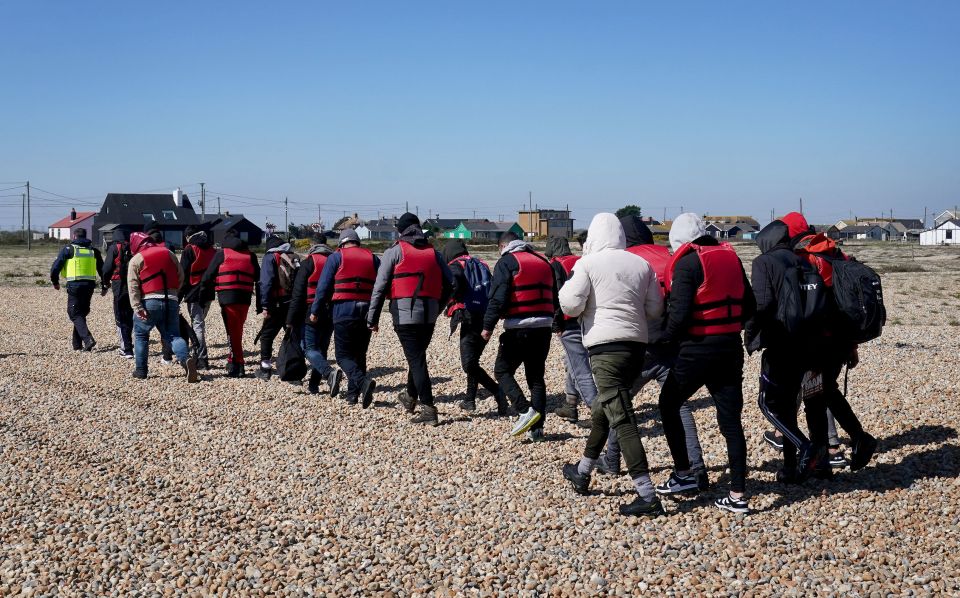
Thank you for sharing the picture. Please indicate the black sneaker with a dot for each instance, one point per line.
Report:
(140, 374)
(313, 383)
(773, 440)
(89, 344)
(468, 405)
(409, 403)
(351, 400)
(366, 391)
(862, 451)
(603, 466)
(733, 505)
(203, 363)
(580, 482)
(263, 373)
(838, 459)
(676, 484)
(567, 412)
(333, 381)
(703, 480)
(640, 507)
(787, 478)
(427, 416)
(235, 370)
(809, 459)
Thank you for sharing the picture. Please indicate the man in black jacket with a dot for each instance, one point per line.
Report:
(782, 365)
(114, 273)
(315, 335)
(707, 308)
(197, 254)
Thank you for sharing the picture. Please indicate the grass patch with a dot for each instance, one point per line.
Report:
(892, 268)
(954, 323)
(896, 322)
(40, 282)
(12, 274)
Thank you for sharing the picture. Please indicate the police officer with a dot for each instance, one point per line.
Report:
(79, 264)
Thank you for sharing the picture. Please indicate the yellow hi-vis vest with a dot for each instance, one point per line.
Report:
(82, 266)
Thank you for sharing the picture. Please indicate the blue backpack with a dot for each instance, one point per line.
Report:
(478, 280)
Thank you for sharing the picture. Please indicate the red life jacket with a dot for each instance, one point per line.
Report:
(718, 304)
(117, 261)
(159, 272)
(318, 262)
(355, 276)
(417, 274)
(531, 293)
(567, 262)
(202, 256)
(455, 306)
(236, 272)
(657, 256)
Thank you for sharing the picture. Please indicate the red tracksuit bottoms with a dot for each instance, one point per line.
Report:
(234, 317)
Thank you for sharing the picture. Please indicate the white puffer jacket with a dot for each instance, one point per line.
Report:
(613, 291)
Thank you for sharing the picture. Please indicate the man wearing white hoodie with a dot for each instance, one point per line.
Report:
(614, 293)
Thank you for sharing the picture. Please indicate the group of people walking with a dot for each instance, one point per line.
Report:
(626, 312)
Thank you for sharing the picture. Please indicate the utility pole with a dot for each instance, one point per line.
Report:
(203, 202)
(801, 205)
(23, 215)
(530, 215)
(406, 206)
(924, 216)
(29, 232)
(218, 206)
(286, 224)
(319, 217)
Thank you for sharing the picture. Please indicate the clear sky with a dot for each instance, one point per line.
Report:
(721, 107)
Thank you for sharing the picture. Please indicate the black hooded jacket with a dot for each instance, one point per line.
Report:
(453, 249)
(208, 283)
(560, 247)
(636, 232)
(297, 314)
(769, 268)
(687, 278)
(188, 292)
(109, 264)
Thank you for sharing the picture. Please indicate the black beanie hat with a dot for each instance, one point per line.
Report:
(406, 221)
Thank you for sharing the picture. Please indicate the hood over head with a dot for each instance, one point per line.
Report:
(320, 248)
(636, 231)
(687, 227)
(199, 238)
(775, 235)
(516, 245)
(273, 241)
(140, 241)
(120, 236)
(235, 243)
(406, 221)
(453, 249)
(796, 224)
(557, 247)
(604, 232)
(348, 235)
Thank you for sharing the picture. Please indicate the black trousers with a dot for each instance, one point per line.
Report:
(271, 328)
(471, 349)
(831, 365)
(351, 339)
(415, 338)
(528, 347)
(123, 315)
(781, 375)
(615, 373)
(78, 308)
(719, 367)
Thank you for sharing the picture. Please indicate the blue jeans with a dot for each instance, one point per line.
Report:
(316, 342)
(165, 316)
(577, 360)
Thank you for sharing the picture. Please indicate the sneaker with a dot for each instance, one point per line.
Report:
(351, 400)
(166, 362)
(366, 390)
(837, 458)
(140, 374)
(333, 381)
(862, 451)
(640, 507)
(468, 405)
(409, 403)
(263, 373)
(703, 480)
(524, 422)
(567, 412)
(427, 415)
(787, 478)
(773, 439)
(313, 383)
(89, 344)
(203, 363)
(677, 484)
(235, 370)
(809, 459)
(191, 368)
(580, 482)
(604, 466)
(733, 505)
(536, 435)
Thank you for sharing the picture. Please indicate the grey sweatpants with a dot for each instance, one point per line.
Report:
(198, 321)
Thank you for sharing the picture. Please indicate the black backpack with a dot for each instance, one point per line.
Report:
(859, 298)
(291, 365)
(802, 306)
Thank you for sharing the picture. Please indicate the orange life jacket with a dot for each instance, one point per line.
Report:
(355, 276)
(318, 262)
(417, 274)
(531, 293)
(159, 271)
(202, 256)
(567, 262)
(812, 247)
(236, 272)
(718, 304)
(657, 256)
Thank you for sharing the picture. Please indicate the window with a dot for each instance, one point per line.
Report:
(949, 234)
(148, 216)
(244, 236)
(169, 215)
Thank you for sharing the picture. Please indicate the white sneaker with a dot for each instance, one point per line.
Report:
(525, 422)
(166, 362)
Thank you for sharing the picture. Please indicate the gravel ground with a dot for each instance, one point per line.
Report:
(110, 485)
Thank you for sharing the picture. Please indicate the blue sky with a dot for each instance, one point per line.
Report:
(453, 107)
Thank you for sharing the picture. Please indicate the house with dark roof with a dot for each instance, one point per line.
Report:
(132, 212)
(378, 231)
(62, 229)
(217, 226)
